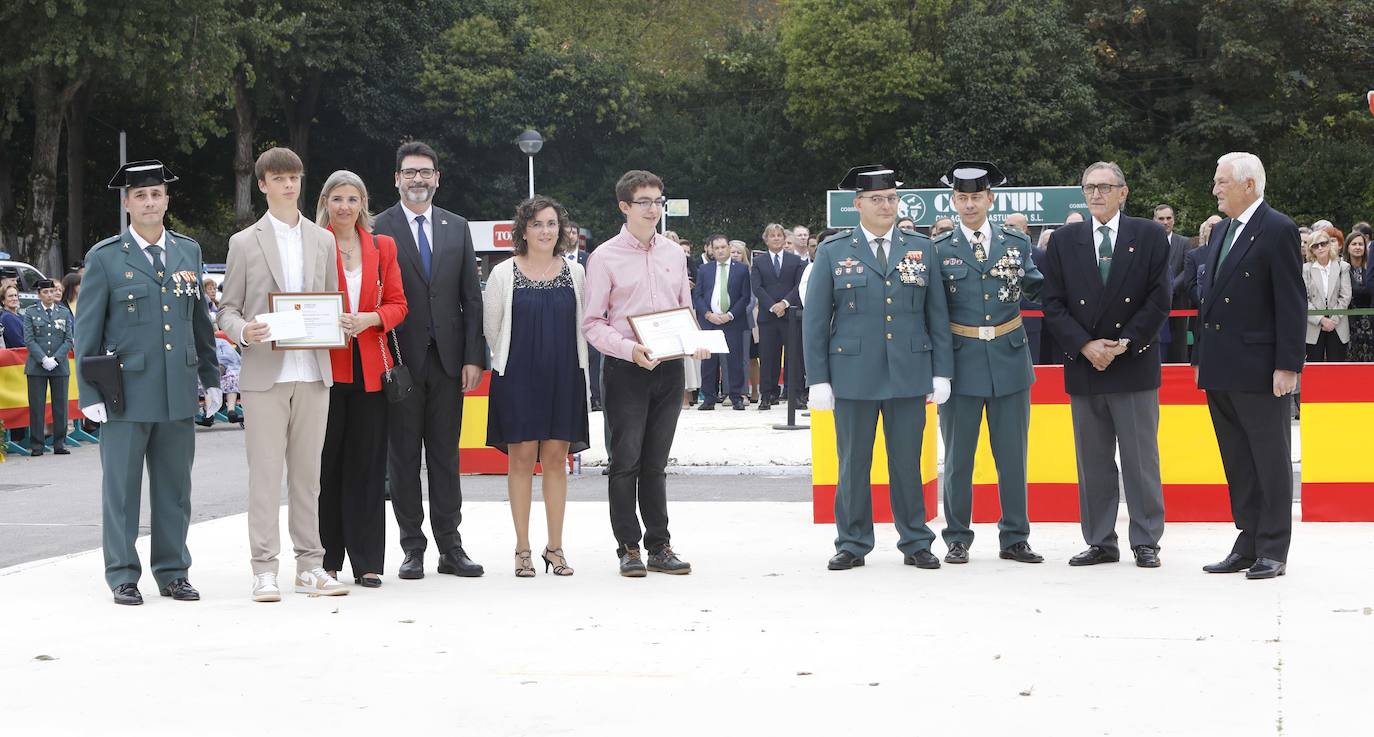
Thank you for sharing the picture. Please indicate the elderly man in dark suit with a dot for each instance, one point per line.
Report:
(776, 278)
(1106, 295)
(1248, 356)
(441, 341)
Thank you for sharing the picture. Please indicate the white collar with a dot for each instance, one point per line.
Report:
(1250, 212)
(872, 237)
(986, 227)
(1114, 223)
(411, 214)
(280, 227)
(162, 241)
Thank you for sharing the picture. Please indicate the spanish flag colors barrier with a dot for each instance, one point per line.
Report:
(1337, 403)
(14, 390)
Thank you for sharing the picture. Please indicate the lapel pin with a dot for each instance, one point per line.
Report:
(443, 222)
(1130, 249)
(128, 275)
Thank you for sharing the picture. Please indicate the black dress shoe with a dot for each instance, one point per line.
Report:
(458, 563)
(1266, 568)
(1021, 553)
(1233, 563)
(631, 565)
(706, 407)
(61, 450)
(922, 559)
(127, 594)
(596, 406)
(35, 452)
(737, 404)
(958, 553)
(844, 560)
(180, 590)
(1094, 555)
(368, 581)
(205, 421)
(413, 567)
(764, 405)
(1146, 556)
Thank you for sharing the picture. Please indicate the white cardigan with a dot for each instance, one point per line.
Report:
(496, 300)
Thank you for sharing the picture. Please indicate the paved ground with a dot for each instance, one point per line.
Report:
(760, 639)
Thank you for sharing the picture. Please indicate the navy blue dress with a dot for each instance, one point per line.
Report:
(542, 395)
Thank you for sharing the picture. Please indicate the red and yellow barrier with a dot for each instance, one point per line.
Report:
(14, 390)
(1337, 416)
(825, 468)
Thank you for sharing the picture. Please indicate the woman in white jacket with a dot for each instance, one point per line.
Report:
(1328, 288)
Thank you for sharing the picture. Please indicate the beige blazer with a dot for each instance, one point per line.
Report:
(253, 270)
(1336, 297)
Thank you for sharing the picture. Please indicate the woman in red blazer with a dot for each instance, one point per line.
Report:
(353, 465)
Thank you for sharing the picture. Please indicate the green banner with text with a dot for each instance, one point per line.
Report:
(1041, 205)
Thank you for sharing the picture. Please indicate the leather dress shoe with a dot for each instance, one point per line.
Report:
(706, 406)
(764, 404)
(413, 567)
(1146, 556)
(61, 450)
(127, 594)
(1021, 553)
(1233, 563)
(458, 563)
(596, 406)
(958, 553)
(922, 559)
(35, 452)
(1266, 568)
(1094, 555)
(737, 404)
(844, 560)
(180, 590)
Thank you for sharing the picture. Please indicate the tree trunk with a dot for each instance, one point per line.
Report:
(245, 125)
(300, 115)
(7, 229)
(37, 241)
(75, 241)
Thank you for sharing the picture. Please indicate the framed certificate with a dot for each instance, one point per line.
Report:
(667, 334)
(305, 321)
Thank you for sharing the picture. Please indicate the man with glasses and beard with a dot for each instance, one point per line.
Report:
(441, 341)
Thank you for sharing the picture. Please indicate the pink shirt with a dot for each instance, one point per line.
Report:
(623, 279)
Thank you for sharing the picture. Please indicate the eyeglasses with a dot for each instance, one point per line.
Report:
(878, 199)
(421, 173)
(648, 203)
(1091, 189)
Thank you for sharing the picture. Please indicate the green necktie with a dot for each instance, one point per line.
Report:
(882, 255)
(1104, 253)
(723, 281)
(1226, 242)
(156, 252)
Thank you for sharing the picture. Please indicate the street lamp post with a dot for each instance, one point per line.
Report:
(530, 142)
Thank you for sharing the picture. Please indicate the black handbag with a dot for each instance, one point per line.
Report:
(396, 381)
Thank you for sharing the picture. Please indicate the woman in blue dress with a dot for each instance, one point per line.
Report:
(537, 412)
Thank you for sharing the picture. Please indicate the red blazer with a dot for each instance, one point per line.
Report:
(380, 271)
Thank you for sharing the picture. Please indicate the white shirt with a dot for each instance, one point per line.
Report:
(1244, 220)
(873, 242)
(354, 283)
(295, 365)
(1325, 271)
(721, 278)
(143, 245)
(1114, 224)
(415, 227)
(985, 229)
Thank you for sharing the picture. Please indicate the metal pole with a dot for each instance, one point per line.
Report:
(792, 368)
(531, 177)
(123, 159)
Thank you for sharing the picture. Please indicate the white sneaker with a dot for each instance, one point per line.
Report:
(318, 582)
(265, 587)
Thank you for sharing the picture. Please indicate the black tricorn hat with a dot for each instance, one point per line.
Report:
(973, 176)
(144, 173)
(45, 284)
(870, 177)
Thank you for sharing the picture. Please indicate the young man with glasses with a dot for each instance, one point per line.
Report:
(1106, 296)
(638, 272)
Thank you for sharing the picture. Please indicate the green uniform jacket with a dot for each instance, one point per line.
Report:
(989, 293)
(164, 340)
(46, 336)
(870, 335)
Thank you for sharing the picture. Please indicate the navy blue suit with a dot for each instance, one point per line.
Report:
(1253, 310)
(770, 286)
(735, 331)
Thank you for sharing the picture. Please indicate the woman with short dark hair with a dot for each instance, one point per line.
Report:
(537, 411)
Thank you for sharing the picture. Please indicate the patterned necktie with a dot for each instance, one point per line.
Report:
(882, 255)
(1104, 253)
(1230, 238)
(422, 241)
(777, 264)
(156, 252)
(979, 253)
(722, 281)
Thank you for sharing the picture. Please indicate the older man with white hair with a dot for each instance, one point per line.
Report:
(1248, 356)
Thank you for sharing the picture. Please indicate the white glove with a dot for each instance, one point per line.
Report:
(96, 412)
(821, 397)
(214, 399)
(941, 394)
(49, 363)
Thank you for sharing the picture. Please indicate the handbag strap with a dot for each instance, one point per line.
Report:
(381, 340)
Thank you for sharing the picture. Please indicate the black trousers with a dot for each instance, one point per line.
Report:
(594, 373)
(1253, 433)
(1327, 348)
(772, 338)
(431, 417)
(38, 389)
(1176, 350)
(641, 409)
(353, 477)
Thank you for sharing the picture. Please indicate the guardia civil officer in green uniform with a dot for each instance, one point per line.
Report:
(140, 301)
(876, 339)
(986, 270)
(48, 329)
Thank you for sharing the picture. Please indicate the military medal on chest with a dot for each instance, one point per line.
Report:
(912, 269)
(1010, 269)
